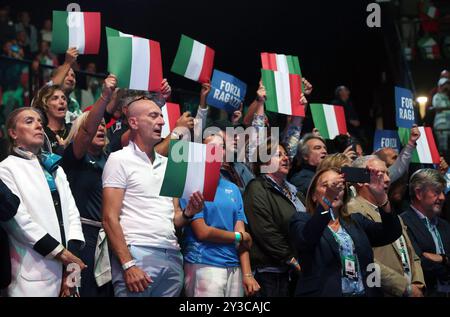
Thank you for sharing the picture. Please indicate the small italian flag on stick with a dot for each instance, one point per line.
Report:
(171, 113)
(194, 60)
(426, 151)
(136, 62)
(329, 120)
(283, 92)
(76, 29)
(192, 167)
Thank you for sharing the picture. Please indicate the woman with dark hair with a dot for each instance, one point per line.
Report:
(335, 248)
(47, 222)
(52, 103)
(269, 203)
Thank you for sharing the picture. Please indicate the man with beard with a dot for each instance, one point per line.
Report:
(429, 234)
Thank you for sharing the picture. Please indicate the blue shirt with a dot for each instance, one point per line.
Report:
(346, 248)
(222, 213)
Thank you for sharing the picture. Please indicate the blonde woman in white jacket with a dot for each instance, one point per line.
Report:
(47, 220)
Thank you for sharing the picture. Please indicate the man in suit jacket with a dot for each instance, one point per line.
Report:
(401, 273)
(429, 234)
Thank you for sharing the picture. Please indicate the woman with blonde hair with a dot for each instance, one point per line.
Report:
(335, 248)
(47, 223)
(336, 160)
(83, 160)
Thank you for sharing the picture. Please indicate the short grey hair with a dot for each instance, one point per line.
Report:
(361, 162)
(303, 148)
(424, 179)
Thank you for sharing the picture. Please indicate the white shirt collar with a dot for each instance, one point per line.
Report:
(135, 148)
(419, 214)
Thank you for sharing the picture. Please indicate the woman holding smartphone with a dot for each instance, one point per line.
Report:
(335, 248)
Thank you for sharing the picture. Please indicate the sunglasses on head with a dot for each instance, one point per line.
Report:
(155, 97)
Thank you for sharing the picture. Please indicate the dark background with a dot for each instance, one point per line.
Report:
(331, 38)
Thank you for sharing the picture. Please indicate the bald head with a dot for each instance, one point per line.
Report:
(146, 121)
(139, 107)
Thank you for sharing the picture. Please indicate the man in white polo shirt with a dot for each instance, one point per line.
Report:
(139, 223)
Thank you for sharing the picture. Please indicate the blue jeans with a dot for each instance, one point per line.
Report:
(164, 266)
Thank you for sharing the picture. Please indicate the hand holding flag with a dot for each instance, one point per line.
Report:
(166, 90)
(195, 204)
(261, 92)
(109, 86)
(415, 135)
(71, 56)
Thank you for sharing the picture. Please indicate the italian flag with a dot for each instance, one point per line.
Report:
(283, 92)
(329, 120)
(194, 60)
(76, 29)
(192, 167)
(110, 32)
(426, 151)
(171, 113)
(429, 48)
(136, 62)
(282, 63)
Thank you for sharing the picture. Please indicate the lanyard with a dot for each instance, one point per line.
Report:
(436, 236)
(404, 257)
(349, 261)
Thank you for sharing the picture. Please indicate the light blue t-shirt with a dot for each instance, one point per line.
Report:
(222, 213)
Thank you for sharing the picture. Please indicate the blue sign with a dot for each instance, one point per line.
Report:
(227, 92)
(404, 109)
(386, 138)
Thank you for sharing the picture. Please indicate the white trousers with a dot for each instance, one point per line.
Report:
(211, 281)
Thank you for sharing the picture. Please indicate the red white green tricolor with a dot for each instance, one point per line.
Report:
(136, 62)
(283, 91)
(329, 120)
(426, 151)
(194, 60)
(192, 167)
(76, 29)
(171, 113)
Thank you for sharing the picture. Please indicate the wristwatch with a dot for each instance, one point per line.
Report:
(129, 264)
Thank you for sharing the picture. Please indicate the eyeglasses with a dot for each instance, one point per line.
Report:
(155, 97)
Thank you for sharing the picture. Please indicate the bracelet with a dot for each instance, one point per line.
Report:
(238, 237)
(129, 264)
(186, 216)
(248, 275)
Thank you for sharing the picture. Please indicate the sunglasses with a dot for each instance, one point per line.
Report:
(155, 97)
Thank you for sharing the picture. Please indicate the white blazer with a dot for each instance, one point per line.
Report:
(33, 274)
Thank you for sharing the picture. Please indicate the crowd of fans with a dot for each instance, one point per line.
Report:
(80, 192)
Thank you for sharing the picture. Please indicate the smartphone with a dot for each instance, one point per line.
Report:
(351, 143)
(356, 175)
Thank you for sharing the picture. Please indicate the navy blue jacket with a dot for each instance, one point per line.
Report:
(422, 241)
(319, 255)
